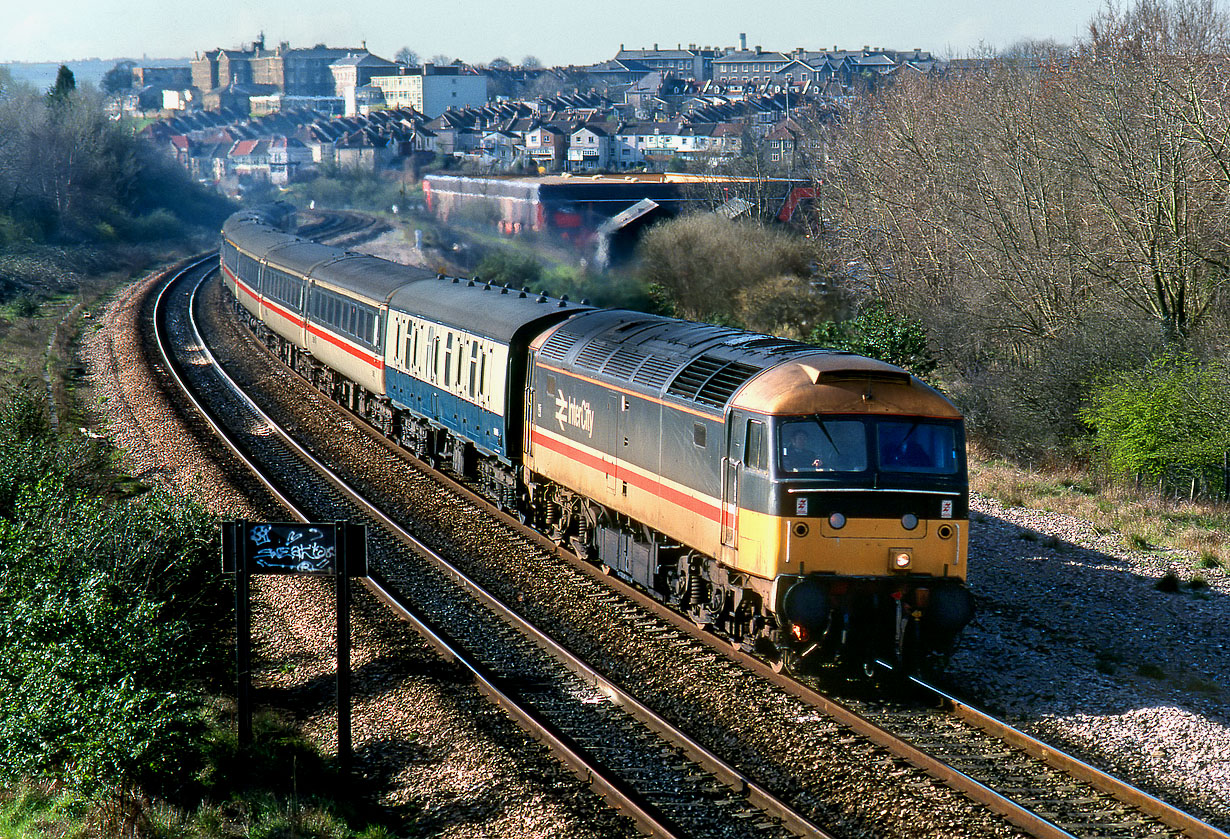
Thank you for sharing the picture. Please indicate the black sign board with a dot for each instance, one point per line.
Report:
(338, 550)
(293, 548)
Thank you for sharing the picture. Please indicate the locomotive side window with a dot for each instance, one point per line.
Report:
(550, 385)
(754, 452)
(698, 434)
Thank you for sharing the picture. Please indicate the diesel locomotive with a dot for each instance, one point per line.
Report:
(809, 503)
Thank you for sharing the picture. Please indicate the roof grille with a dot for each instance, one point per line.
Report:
(899, 377)
(623, 363)
(593, 354)
(711, 381)
(654, 372)
(558, 345)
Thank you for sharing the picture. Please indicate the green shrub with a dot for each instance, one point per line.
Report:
(878, 333)
(510, 267)
(25, 306)
(1170, 414)
(113, 620)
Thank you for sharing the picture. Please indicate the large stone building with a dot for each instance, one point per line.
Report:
(294, 72)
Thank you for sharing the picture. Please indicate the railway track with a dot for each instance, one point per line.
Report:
(1040, 800)
(649, 769)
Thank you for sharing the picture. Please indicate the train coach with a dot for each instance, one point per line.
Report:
(809, 503)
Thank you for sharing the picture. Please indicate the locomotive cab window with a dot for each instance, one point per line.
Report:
(917, 446)
(822, 445)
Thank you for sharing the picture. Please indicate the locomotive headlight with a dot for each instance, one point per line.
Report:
(909, 521)
(899, 559)
(837, 521)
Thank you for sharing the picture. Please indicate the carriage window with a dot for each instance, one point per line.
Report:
(754, 450)
(474, 369)
(448, 359)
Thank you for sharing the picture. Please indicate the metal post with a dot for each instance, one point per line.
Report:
(343, 652)
(243, 639)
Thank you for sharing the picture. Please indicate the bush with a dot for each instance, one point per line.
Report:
(1169, 414)
(878, 333)
(702, 262)
(510, 267)
(25, 306)
(112, 617)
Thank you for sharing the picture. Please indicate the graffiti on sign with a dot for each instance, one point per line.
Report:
(295, 549)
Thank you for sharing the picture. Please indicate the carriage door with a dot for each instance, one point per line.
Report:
(732, 469)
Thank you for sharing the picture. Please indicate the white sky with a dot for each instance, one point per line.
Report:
(556, 32)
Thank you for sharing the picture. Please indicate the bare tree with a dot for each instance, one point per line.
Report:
(1050, 212)
(407, 56)
(1044, 185)
(531, 62)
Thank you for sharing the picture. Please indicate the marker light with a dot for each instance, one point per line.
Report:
(909, 521)
(798, 632)
(837, 521)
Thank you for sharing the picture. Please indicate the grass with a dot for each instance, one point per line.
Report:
(1145, 523)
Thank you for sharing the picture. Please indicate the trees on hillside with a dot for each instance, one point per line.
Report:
(1051, 215)
(68, 171)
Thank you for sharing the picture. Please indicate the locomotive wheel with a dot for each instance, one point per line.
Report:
(786, 662)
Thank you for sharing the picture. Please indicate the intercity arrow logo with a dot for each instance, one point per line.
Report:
(577, 414)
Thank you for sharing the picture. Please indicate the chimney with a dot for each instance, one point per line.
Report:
(743, 41)
(758, 49)
(655, 47)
